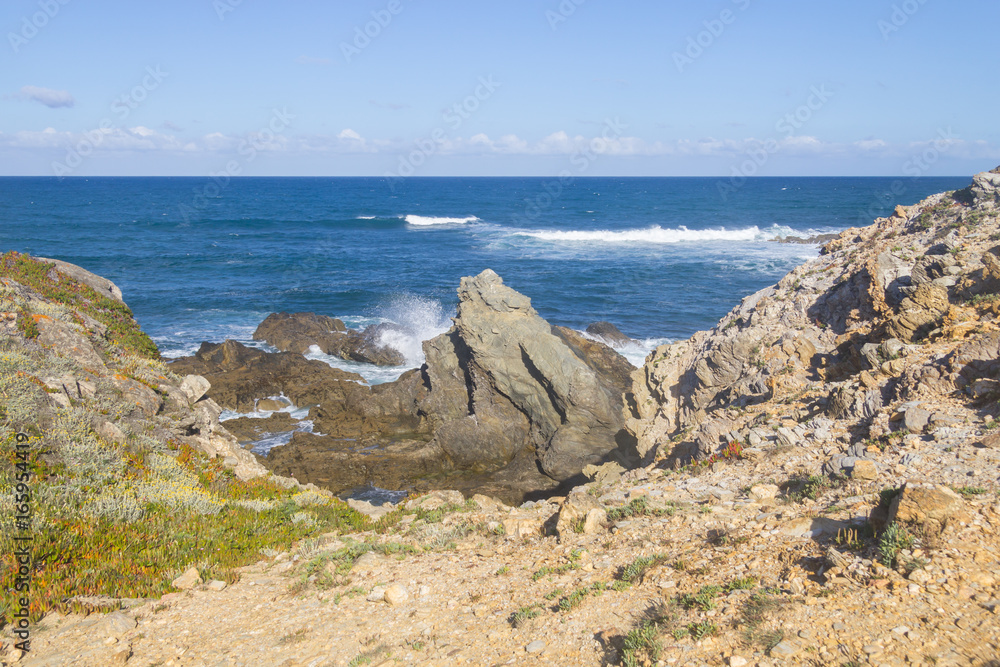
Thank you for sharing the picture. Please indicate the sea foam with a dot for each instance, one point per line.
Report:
(424, 221)
(417, 319)
(657, 234)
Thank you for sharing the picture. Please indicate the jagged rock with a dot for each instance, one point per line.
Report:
(985, 189)
(501, 380)
(608, 333)
(916, 419)
(239, 375)
(297, 332)
(920, 313)
(864, 470)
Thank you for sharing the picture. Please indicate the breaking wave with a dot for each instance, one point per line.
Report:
(425, 221)
(657, 234)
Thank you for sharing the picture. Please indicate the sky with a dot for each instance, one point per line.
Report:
(498, 88)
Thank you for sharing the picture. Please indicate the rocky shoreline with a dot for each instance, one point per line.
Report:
(505, 403)
(816, 480)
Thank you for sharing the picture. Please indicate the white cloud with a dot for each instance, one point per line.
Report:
(53, 99)
(558, 143)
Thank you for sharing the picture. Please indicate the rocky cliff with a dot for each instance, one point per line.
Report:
(821, 483)
(845, 346)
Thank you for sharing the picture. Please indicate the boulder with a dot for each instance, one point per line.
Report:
(189, 579)
(924, 506)
(195, 387)
(98, 283)
(501, 380)
(608, 333)
(985, 189)
(396, 595)
(297, 332)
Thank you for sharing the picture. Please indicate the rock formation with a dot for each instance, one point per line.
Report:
(845, 337)
(504, 400)
(298, 332)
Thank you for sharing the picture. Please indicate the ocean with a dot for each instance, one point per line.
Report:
(204, 260)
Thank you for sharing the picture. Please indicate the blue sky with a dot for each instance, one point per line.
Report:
(725, 87)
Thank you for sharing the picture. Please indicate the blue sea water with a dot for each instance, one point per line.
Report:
(659, 257)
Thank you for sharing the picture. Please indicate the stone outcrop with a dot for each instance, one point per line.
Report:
(505, 401)
(502, 379)
(839, 336)
(297, 332)
(129, 401)
(240, 375)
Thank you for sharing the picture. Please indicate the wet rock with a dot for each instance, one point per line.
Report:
(297, 332)
(608, 333)
(240, 375)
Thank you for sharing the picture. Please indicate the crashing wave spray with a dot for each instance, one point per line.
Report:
(419, 319)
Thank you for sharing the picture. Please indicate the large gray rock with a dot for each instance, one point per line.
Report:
(986, 188)
(500, 380)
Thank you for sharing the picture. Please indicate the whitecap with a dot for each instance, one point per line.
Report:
(424, 221)
(657, 234)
